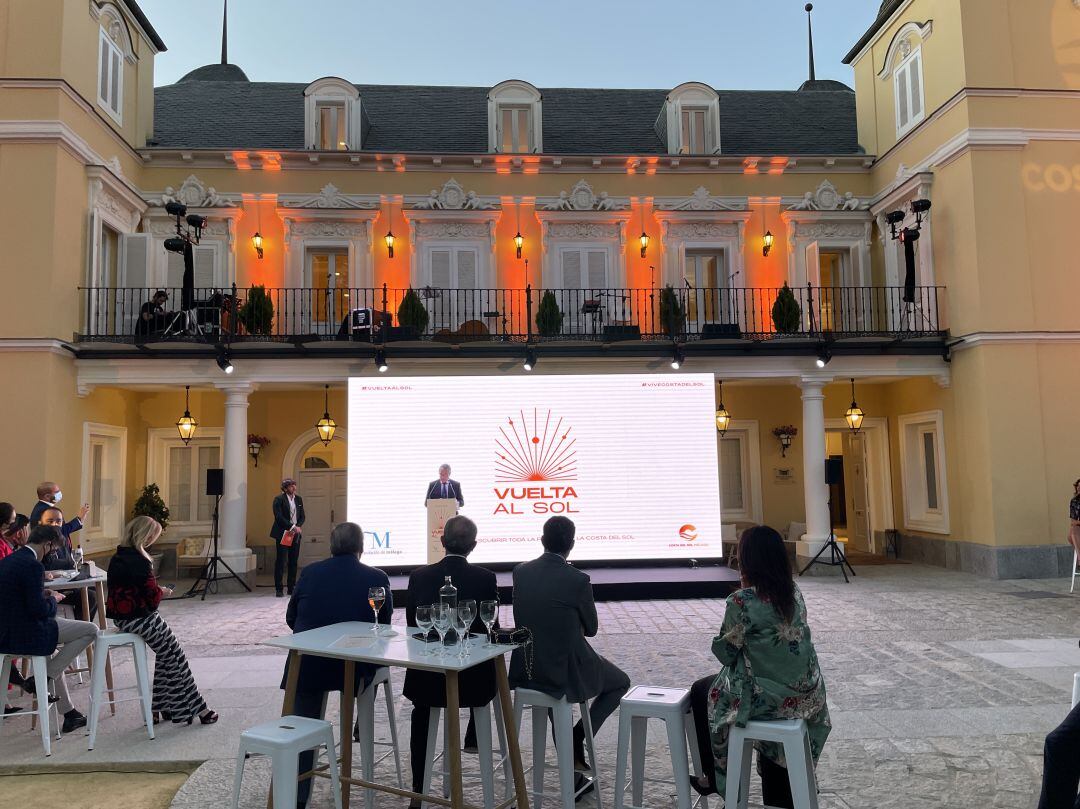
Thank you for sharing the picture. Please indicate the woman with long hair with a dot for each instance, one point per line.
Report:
(769, 669)
(133, 601)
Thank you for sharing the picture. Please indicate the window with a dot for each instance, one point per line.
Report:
(110, 76)
(738, 454)
(908, 88)
(104, 456)
(331, 131)
(693, 130)
(186, 475)
(922, 457)
(584, 268)
(205, 265)
(515, 129)
(706, 276)
(452, 273)
(328, 276)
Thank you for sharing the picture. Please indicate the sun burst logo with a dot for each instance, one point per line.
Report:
(535, 449)
(688, 532)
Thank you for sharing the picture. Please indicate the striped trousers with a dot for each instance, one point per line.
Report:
(175, 693)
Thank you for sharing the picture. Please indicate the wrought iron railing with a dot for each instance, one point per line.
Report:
(383, 314)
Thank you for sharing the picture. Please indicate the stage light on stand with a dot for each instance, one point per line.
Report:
(723, 417)
(677, 358)
(380, 361)
(257, 242)
(222, 359)
(519, 240)
(186, 425)
(530, 360)
(175, 244)
(854, 415)
(326, 426)
(823, 357)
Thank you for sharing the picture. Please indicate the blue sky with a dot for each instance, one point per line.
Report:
(729, 44)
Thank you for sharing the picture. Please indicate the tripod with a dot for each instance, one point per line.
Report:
(836, 553)
(209, 572)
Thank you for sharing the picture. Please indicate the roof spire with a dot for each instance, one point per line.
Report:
(225, 35)
(810, 34)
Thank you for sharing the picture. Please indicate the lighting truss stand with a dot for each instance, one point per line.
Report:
(210, 576)
(836, 553)
(913, 315)
(183, 322)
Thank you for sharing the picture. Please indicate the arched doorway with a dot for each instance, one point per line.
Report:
(321, 479)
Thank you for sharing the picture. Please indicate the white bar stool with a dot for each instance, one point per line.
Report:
(41, 709)
(1076, 688)
(792, 734)
(364, 729)
(284, 740)
(482, 718)
(672, 707)
(563, 715)
(1075, 570)
(103, 645)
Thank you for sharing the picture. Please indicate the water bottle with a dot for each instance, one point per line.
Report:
(448, 596)
(77, 556)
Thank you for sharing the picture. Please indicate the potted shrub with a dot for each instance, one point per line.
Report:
(412, 317)
(256, 314)
(150, 504)
(672, 315)
(549, 317)
(786, 312)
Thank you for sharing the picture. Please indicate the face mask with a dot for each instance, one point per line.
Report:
(58, 496)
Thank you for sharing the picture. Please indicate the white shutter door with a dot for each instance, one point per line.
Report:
(439, 306)
(731, 474)
(134, 281)
(205, 275)
(440, 269)
(174, 273)
(571, 269)
(597, 266)
(466, 270)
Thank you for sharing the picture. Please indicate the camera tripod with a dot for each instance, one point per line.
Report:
(210, 574)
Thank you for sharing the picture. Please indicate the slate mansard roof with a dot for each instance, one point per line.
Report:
(229, 112)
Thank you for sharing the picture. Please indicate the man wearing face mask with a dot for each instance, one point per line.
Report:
(49, 495)
(61, 558)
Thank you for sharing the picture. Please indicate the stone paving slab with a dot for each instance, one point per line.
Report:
(927, 711)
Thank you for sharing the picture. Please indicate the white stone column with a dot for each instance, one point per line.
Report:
(233, 529)
(814, 489)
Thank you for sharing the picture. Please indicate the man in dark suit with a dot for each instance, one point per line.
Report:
(476, 686)
(288, 516)
(444, 488)
(555, 601)
(329, 592)
(49, 495)
(30, 626)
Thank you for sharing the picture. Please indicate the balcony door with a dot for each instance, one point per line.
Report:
(838, 307)
(707, 298)
(585, 298)
(452, 286)
(327, 288)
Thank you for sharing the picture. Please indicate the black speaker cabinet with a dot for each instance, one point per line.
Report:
(720, 331)
(834, 471)
(215, 482)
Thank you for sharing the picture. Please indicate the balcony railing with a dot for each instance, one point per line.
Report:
(530, 314)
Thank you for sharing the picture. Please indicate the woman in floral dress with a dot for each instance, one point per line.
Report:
(769, 669)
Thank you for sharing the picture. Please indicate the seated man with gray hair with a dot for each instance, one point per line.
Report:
(329, 592)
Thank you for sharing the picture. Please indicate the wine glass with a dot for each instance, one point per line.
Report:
(457, 618)
(425, 620)
(376, 597)
(489, 612)
(468, 613)
(442, 623)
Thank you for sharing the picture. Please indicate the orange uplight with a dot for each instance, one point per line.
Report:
(530, 164)
(271, 161)
(502, 164)
(242, 160)
(750, 165)
(777, 165)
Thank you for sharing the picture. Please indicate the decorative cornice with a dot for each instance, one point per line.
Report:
(700, 200)
(452, 197)
(194, 194)
(983, 338)
(581, 198)
(12, 345)
(330, 198)
(827, 198)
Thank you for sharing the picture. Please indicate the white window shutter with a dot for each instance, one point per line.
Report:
(915, 80)
(731, 474)
(466, 269)
(597, 266)
(440, 269)
(205, 268)
(571, 269)
(174, 271)
(135, 260)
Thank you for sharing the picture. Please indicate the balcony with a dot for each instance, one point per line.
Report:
(719, 319)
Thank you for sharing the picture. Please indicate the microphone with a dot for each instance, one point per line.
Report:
(732, 276)
(686, 281)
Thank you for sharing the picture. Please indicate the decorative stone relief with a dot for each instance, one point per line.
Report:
(583, 231)
(452, 197)
(329, 197)
(326, 230)
(831, 230)
(451, 230)
(700, 200)
(114, 166)
(701, 231)
(582, 198)
(827, 198)
(193, 194)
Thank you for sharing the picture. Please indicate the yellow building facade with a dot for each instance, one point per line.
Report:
(964, 361)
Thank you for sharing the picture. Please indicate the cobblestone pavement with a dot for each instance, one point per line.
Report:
(941, 686)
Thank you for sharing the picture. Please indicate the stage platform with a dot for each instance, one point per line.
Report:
(629, 583)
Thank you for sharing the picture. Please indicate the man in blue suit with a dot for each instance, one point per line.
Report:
(30, 626)
(329, 592)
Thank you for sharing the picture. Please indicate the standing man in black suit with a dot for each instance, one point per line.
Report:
(425, 689)
(555, 601)
(288, 516)
(444, 488)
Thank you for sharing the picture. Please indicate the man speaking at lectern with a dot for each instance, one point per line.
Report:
(444, 488)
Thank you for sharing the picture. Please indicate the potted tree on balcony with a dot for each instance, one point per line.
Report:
(256, 314)
(786, 312)
(549, 317)
(672, 314)
(412, 318)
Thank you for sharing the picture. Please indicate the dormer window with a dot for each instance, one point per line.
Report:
(514, 118)
(908, 87)
(333, 117)
(114, 46)
(690, 120)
